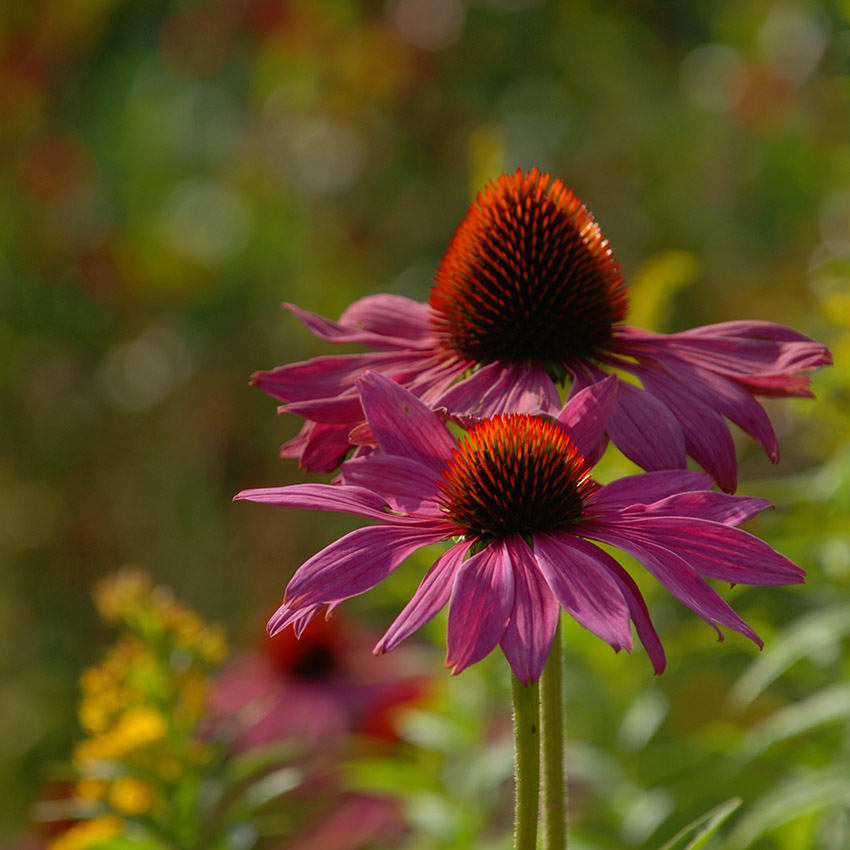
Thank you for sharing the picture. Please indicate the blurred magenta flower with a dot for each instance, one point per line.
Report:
(527, 295)
(318, 687)
(517, 497)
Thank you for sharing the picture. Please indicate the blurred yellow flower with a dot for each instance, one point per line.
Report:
(131, 796)
(87, 833)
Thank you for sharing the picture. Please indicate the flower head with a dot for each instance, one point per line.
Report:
(314, 687)
(527, 278)
(516, 497)
(528, 296)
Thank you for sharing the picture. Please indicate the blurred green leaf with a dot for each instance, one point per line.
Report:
(825, 706)
(699, 831)
(804, 794)
(811, 632)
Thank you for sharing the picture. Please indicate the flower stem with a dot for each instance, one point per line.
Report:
(552, 724)
(527, 764)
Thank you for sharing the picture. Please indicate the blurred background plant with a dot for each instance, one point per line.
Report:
(182, 752)
(170, 171)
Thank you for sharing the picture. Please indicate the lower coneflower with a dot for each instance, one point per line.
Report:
(516, 497)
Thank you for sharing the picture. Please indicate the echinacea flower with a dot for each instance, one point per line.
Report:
(516, 497)
(317, 687)
(527, 296)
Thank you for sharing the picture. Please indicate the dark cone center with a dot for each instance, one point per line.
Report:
(528, 277)
(515, 474)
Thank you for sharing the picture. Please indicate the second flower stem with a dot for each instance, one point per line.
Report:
(527, 768)
(552, 725)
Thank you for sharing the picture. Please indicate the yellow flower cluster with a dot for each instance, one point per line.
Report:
(88, 833)
(140, 709)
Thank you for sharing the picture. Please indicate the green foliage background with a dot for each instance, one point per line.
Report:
(171, 171)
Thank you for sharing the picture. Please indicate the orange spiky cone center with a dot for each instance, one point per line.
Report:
(515, 474)
(528, 277)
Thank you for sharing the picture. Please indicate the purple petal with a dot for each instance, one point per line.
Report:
(730, 398)
(480, 606)
(583, 587)
(297, 617)
(649, 487)
(531, 629)
(586, 415)
(322, 497)
(326, 377)
(407, 485)
(702, 504)
(707, 437)
(499, 388)
(319, 447)
(778, 386)
(674, 573)
(342, 410)
(746, 358)
(433, 377)
(402, 337)
(716, 550)
(645, 431)
(402, 424)
(430, 597)
(637, 609)
(748, 328)
(356, 563)
(393, 317)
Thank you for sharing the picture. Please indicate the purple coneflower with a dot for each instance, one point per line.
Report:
(527, 296)
(516, 497)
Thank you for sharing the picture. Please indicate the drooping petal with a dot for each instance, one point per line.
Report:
(345, 409)
(583, 588)
(778, 386)
(702, 504)
(675, 574)
(717, 550)
(402, 424)
(736, 349)
(480, 606)
(430, 597)
(645, 431)
(730, 398)
(649, 487)
(748, 328)
(586, 415)
(637, 609)
(286, 616)
(393, 317)
(531, 629)
(707, 437)
(405, 337)
(499, 388)
(322, 497)
(328, 376)
(407, 485)
(319, 447)
(356, 562)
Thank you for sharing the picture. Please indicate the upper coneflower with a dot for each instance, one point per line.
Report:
(516, 498)
(528, 297)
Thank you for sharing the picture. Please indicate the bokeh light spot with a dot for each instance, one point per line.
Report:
(140, 374)
(713, 77)
(206, 221)
(428, 24)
